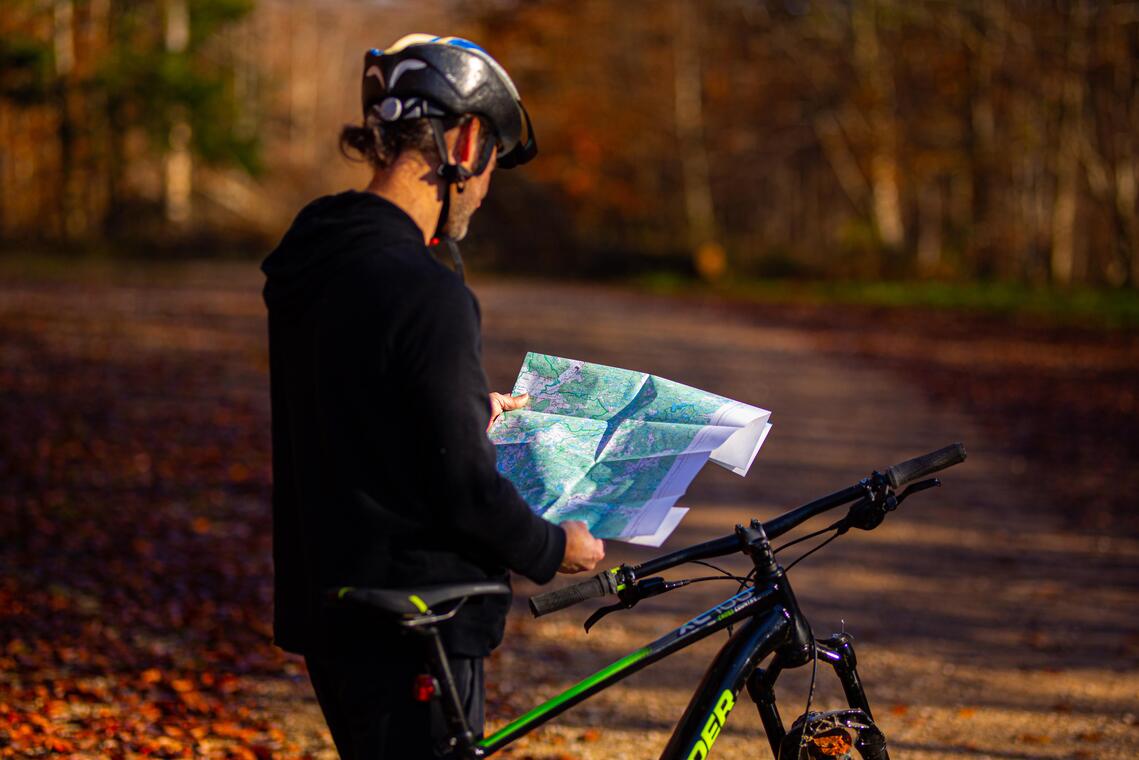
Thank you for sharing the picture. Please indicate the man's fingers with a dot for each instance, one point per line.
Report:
(583, 550)
(501, 402)
(510, 403)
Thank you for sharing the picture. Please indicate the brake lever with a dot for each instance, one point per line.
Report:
(632, 594)
(603, 611)
(869, 512)
(920, 486)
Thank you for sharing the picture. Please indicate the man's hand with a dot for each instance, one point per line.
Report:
(500, 402)
(583, 551)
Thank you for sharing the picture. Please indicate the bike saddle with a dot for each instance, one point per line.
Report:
(420, 600)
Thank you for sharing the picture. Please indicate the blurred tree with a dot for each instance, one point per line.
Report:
(1069, 139)
(164, 79)
(92, 76)
(693, 150)
(1109, 149)
(868, 138)
(864, 138)
(25, 69)
(875, 72)
(25, 85)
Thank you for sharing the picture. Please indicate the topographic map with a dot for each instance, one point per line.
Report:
(617, 448)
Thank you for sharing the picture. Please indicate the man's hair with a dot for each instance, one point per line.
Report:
(380, 143)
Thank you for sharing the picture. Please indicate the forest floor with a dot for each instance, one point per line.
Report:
(996, 617)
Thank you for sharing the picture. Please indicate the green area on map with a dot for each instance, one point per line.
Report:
(598, 443)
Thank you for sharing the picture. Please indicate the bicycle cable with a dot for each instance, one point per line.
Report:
(800, 539)
(747, 579)
(717, 568)
(814, 549)
(810, 633)
(704, 578)
(725, 575)
(811, 689)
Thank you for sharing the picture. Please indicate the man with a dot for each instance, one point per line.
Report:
(383, 473)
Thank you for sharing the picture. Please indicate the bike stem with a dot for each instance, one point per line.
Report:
(796, 650)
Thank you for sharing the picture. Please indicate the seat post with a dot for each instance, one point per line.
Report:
(460, 736)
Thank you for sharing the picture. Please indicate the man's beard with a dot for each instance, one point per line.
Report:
(459, 215)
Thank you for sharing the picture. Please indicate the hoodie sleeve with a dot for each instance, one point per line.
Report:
(440, 355)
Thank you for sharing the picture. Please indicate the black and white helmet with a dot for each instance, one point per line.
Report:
(423, 76)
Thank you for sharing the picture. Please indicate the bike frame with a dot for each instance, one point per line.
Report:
(724, 669)
(769, 623)
(769, 619)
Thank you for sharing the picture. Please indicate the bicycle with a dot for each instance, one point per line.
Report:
(768, 618)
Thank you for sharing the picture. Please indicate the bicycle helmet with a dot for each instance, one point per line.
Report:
(438, 77)
(441, 78)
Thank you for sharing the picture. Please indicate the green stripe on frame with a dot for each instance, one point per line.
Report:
(543, 709)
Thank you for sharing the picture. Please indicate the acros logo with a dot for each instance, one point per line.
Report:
(713, 726)
(735, 604)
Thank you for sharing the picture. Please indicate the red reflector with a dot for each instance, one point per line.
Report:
(423, 689)
(434, 241)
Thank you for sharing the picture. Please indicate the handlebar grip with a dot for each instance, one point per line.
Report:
(552, 601)
(927, 464)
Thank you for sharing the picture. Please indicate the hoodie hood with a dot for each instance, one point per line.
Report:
(325, 234)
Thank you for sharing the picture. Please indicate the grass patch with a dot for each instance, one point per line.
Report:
(1112, 308)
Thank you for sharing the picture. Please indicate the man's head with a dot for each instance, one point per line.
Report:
(445, 102)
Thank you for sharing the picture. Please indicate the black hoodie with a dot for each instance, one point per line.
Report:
(383, 475)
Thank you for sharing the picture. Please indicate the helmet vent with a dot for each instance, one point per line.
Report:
(391, 109)
(401, 68)
(374, 71)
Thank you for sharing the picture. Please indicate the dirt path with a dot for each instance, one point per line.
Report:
(137, 450)
(983, 629)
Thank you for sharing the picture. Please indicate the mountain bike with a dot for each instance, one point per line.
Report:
(764, 613)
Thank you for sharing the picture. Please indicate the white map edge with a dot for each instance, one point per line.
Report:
(675, 515)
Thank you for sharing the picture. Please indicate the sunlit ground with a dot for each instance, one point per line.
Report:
(993, 619)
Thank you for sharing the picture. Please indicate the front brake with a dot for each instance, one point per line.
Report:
(633, 593)
(868, 512)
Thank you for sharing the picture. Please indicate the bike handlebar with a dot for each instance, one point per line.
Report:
(607, 582)
(598, 586)
(927, 464)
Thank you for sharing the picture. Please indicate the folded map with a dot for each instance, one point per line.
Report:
(617, 448)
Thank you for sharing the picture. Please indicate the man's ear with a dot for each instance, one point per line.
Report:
(467, 142)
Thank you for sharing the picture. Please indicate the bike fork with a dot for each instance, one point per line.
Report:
(838, 652)
(761, 689)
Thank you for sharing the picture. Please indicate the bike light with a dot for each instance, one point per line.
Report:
(424, 689)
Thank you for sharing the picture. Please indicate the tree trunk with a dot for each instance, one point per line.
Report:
(981, 50)
(698, 202)
(930, 225)
(179, 164)
(1126, 225)
(1063, 258)
(72, 220)
(873, 67)
(841, 158)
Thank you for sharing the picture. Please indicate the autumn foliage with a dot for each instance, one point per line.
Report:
(134, 536)
(878, 138)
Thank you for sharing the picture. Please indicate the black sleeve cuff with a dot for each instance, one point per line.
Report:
(546, 564)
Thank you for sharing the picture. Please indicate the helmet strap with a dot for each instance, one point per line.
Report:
(451, 174)
(488, 146)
